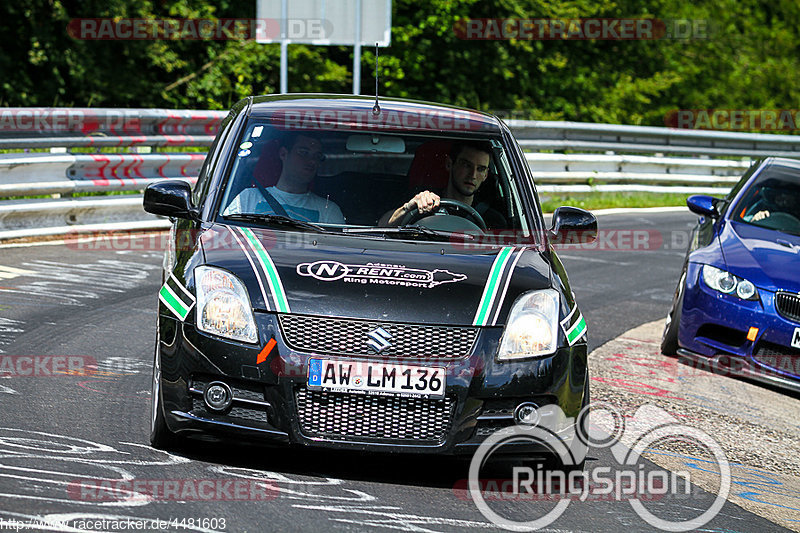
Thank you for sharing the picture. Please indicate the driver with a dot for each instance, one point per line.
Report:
(773, 200)
(468, 166)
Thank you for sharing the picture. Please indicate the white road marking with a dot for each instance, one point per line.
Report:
(407, 522)
(8, 330)
(7, 272)
(260, 475)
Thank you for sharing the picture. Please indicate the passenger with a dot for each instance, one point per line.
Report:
(301, 156)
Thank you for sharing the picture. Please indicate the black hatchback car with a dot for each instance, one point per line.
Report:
(367, 276)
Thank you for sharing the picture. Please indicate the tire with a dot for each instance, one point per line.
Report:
(160, 435)
(583, 423)
(554, 462)
(669, 340)
(582, 426)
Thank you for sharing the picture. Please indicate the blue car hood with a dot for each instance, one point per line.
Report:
(768, 258)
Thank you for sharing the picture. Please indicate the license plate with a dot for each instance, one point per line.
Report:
(376, 378)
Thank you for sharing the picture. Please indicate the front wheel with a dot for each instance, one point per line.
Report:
(160, 435)
(669, 340)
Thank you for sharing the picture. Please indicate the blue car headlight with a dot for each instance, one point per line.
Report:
(726, 283)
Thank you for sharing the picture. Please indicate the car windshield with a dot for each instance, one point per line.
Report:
(772, 200)
(363, 182)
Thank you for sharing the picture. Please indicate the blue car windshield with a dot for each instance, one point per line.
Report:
(358, 180)
(772, 200)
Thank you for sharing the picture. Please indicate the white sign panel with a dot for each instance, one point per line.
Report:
(325, 22)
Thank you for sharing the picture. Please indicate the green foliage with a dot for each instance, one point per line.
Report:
(608, 200)
(750, 61)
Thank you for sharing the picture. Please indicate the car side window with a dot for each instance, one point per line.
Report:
(204, 178)
(724, 205)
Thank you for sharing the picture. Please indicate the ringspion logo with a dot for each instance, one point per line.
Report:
(627, 480)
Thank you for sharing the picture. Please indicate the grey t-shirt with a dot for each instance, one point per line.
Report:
(307, 206)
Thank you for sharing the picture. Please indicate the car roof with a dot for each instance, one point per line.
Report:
(783, 161)
(332, 111)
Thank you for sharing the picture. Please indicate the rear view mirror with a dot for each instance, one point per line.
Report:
(703, 205)
(572, 225)
(376, 143)
(170, 198)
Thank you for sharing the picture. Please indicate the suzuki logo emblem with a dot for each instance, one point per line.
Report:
(379, 339)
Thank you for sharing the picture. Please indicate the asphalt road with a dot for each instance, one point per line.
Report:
(59, 430)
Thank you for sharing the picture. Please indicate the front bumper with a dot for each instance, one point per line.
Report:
(743, 367)
(715, 326)
(272, 404)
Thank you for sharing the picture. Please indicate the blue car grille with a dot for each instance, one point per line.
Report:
(364, 418)
(339, 336)
(777, 357)
(788, 305)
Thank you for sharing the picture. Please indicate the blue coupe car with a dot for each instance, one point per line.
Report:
(737, 305)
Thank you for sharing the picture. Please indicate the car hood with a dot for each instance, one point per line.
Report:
(766, 257)
(376, 279)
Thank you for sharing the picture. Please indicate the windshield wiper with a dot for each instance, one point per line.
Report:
(410, 230)
(278, 220)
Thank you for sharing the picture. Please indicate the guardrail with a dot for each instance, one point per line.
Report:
(583, 137)
(63, 174)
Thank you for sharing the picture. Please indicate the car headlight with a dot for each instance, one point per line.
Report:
(223, 307)
(726, 283)
(532, 327)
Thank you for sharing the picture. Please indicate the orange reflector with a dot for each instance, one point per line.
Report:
(262, 356)
(751, 335)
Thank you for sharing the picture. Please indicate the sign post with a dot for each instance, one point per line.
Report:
(325, 23)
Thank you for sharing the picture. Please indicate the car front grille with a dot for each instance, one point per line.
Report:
(248, 402)
(366, 418)
(256, 414)
(788, 305)
(337, 336)
(777, 357)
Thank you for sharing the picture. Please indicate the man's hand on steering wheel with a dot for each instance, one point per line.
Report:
(424, 202)
(453, 207)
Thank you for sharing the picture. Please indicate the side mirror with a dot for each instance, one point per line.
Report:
(703, 205)
(170, 198)
(573, 226)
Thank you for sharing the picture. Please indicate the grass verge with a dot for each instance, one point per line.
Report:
(607, 200)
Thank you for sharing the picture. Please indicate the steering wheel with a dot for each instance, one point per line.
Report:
(780, 221)
(453, 207)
